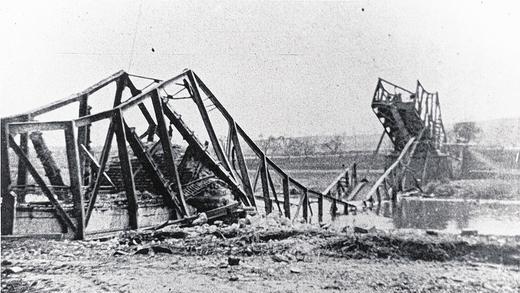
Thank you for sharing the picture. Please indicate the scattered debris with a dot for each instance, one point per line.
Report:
(12, 270)
(120, 252)
(279, 258)
(202, 219)
(161, 249)
(145, 250)
(6, 262)
(432, 233)
(233, 261)
(360, 230)
(467, 232)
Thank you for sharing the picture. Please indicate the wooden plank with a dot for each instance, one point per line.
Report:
(286, 197)
(126, 169)
(265, 187)
(102, 164)
(96, 165)
(75, 180)
(167, 149)
(62, 215)
(207, 123)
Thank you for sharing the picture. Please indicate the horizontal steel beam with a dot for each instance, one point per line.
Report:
(73, 98)
(23, 127)
(86, 120)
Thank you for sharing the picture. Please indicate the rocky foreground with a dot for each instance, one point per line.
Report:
(264, 254)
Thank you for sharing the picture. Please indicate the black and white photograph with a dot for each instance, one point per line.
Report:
(260, 146)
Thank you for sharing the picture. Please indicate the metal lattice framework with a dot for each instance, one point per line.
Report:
(405, 114)
(225, 161)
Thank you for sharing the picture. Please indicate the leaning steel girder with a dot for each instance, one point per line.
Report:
(404, 114)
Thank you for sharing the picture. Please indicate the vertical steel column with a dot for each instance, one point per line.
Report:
(286, 197)
(21, 178)
(75, 179)
(126, 169)
(265, 186)
(82, 136)
(306, 205)
(320, 208)
(8, 201)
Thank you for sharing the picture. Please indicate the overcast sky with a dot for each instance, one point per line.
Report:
(306, 67)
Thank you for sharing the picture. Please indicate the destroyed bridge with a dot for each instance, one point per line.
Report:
(81, 190)
(150, 180)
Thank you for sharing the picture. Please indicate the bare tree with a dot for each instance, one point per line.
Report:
(308, 146)
(269, 144)
(335, 144)
(466, 131)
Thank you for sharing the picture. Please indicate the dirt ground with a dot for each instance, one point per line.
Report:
(272, 256)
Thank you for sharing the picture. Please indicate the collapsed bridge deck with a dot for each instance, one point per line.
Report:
(177, 178)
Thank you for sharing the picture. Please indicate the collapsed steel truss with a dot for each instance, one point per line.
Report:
(405, 114)
(413, 122)
(228, 164)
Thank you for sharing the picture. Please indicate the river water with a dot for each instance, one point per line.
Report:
(488, 217)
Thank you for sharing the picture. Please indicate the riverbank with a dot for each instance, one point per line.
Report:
(264, 254)
(498, 189)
